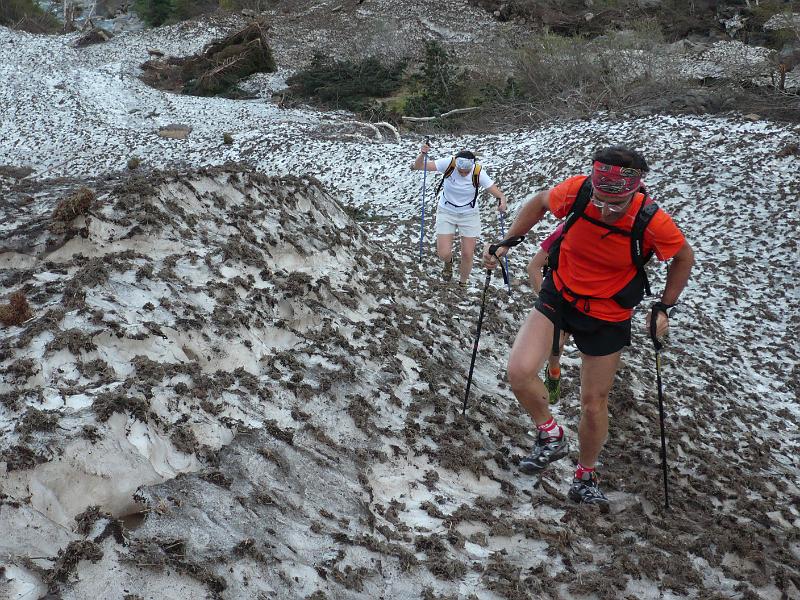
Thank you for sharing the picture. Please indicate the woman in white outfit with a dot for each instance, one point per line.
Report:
(458, 207)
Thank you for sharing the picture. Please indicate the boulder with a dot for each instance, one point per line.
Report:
(175, 131)
(96, 35)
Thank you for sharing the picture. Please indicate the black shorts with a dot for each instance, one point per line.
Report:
(594, 337)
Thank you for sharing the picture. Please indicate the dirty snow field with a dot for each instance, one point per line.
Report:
(232, 389)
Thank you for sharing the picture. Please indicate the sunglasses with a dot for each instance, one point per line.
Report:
(614, 207)
(623, 171)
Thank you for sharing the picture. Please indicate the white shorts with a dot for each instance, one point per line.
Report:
(468, 224)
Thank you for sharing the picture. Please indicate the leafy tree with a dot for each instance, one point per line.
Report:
(442, 83)
(154, 12)
(28, 16)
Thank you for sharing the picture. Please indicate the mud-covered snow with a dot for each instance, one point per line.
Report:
(239, 383)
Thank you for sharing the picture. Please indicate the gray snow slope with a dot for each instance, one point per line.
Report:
(232, 389)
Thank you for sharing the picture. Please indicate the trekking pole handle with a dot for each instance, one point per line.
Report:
(507, 243)
(657, 308)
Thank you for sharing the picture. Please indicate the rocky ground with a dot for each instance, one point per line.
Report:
(238, 381)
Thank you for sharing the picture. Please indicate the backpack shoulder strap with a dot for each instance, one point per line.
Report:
(450, 168)
(447, 172)
(643, 217)
(579, 206)
(476, 176)
(576, 210)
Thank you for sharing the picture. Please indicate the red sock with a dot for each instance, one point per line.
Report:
(555, 372)
(580, 470)
(550, 428)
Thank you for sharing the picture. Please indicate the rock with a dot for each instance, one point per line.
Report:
(588, 16)
(733, 25)
(752, 117)
(791, 149)
(96, 35)
(176, 132)
(687, 45)
(109, 8)
(13, 172)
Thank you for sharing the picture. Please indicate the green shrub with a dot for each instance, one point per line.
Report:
(609, 72)
(442, 84)
(26, 15)
(346, 84)
(154, 12)
(161, 12)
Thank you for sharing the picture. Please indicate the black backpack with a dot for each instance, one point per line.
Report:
(476, 173)
(634, 291)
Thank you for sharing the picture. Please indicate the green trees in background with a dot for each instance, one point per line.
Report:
(160, 12)
(27, 16)
(384, 90)
(441, 85)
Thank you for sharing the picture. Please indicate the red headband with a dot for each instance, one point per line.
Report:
(615, 181)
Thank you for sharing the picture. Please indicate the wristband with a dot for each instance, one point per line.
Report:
(663, 307)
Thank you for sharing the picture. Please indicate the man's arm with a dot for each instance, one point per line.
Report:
(678, 276)
(531, 213)
(679, 270)
(535, 267)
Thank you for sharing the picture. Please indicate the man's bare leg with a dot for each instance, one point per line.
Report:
(530, 350)
(597, 377)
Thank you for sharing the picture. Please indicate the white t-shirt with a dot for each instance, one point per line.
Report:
(458, 192)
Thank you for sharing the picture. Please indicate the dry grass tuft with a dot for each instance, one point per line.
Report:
(77, 204)
(16, 312)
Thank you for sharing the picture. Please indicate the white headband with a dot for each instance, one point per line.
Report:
(464, 163)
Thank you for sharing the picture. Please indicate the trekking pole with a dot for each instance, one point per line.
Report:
(509, 243)
(658, 307)
(422, 222)
(503, 235)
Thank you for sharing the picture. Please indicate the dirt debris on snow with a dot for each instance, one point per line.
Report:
(284, 462)
(219, 67)
(252, 395)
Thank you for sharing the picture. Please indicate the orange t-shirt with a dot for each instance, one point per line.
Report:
(593, 263)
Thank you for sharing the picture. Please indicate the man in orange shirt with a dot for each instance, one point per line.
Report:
(590, 292)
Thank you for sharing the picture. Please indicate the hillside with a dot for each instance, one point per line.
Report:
(238, 381)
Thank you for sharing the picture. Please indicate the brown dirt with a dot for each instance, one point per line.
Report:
(73, 206)
(108, 403)
(20, 457)
(69, 557)
(17, 311)
(221, 64)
